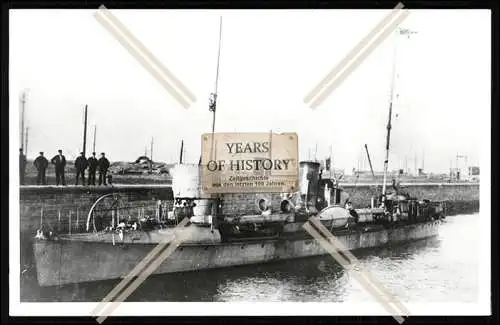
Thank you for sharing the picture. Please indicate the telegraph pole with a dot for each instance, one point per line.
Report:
(151, 150)
(423, 157)
(23, 102)
(85, 132)
(416, 165)
(151, 159)
(95, 131)
(26, 143)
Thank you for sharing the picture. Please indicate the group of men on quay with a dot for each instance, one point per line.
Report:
(92, 164)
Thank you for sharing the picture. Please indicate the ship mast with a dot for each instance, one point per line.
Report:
(389, 126)
(213, 96)
(391, 100)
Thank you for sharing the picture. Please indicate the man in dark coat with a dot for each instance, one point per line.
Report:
(80, 166)
(22, 166)
(395, 186)
(60, 163)
(92, 162)
(41, 164)
(103, 165)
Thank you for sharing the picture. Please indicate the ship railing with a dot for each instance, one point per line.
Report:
(71, 220)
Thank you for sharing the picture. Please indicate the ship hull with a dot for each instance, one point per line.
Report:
(61, 262)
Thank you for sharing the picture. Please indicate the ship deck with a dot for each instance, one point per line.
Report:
(197, 235)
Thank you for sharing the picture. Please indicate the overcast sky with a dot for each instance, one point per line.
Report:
(269, 61)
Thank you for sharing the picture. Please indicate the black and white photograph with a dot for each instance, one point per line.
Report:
(254, 162)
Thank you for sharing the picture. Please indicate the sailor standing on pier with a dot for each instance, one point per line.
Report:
(80, 166)
(60, 163)
(92, 162)
(103, 165)
(41, 164)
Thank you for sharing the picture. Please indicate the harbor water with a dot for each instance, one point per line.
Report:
(440, 269)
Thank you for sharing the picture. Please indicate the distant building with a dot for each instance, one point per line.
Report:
(474, 172)
(461, 170)
(464, 173)
(335, 172)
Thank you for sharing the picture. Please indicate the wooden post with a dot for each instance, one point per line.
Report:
(69, 226)
(59, 219)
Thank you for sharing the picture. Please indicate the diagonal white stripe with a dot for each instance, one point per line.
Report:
(352, 53)
(355, 263)
(333, 246)
(364, 283)
(353, 58)
(147, 53)
(139, 269)
(144, 275)
(359, 59)
(157, 71)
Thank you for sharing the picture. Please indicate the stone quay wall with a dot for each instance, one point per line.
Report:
(55, 205)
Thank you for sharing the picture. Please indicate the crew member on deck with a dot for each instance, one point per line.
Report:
(60, 163)
(41, 164)
(395, 186)
(80, 166)
(352, 212)
(92, 162)
(103, 165)
(22, 166)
